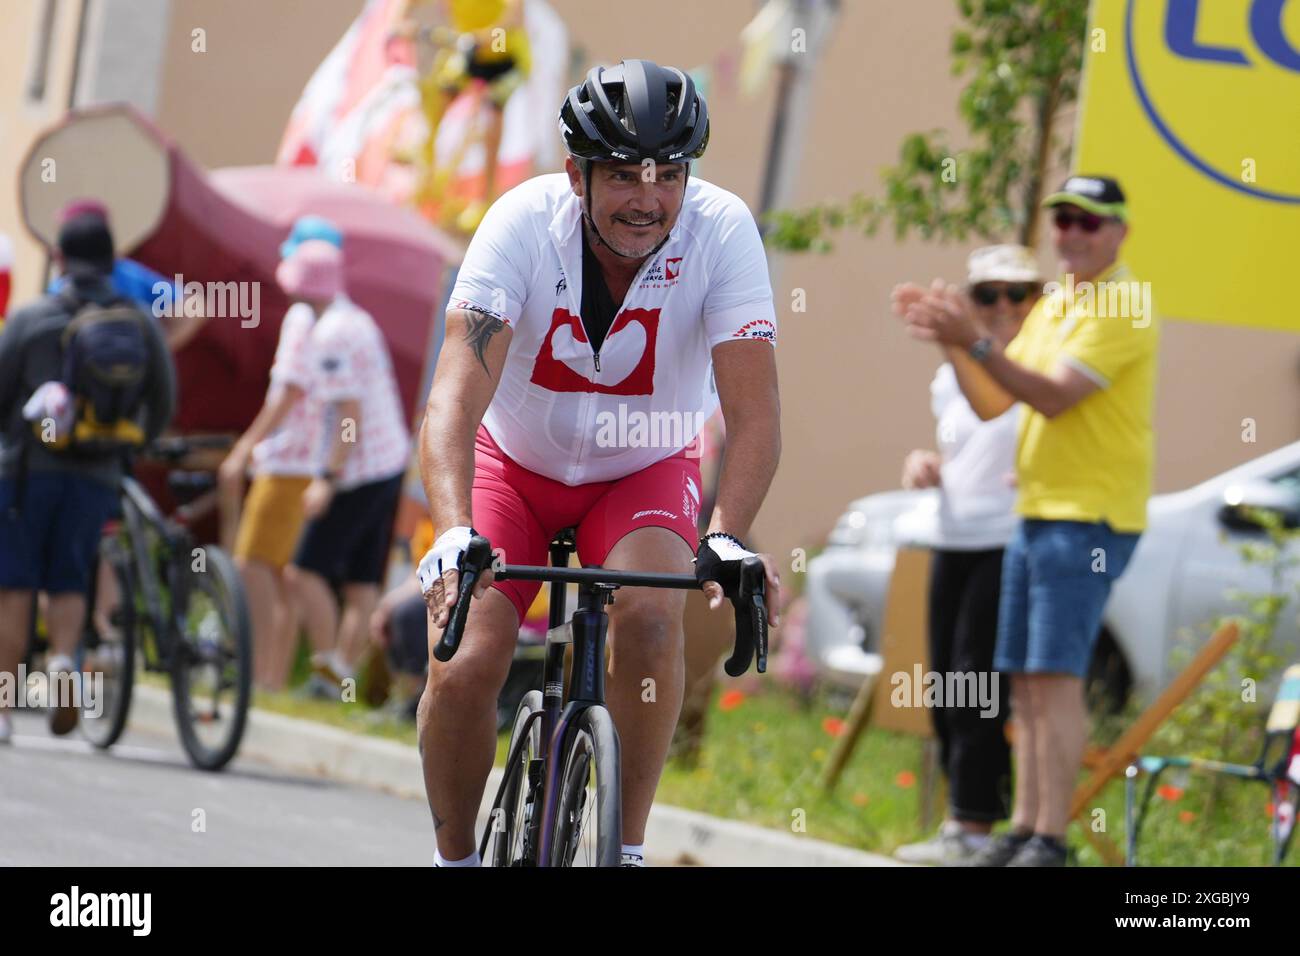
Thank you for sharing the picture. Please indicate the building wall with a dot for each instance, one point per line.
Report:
(854, 387)
(23, 115)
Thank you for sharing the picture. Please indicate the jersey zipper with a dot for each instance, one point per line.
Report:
(589, 398)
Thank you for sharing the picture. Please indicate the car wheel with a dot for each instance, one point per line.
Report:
(1109, 679)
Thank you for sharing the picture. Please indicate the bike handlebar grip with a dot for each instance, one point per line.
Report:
(751, 619)
(475, 559)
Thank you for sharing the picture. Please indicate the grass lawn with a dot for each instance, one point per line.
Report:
(762, 754)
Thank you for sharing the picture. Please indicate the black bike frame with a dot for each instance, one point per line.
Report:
(140, 515)
(587, 633)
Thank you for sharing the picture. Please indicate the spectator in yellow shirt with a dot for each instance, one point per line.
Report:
(1084, 367)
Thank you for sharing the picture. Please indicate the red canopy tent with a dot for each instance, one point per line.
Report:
(227, 226)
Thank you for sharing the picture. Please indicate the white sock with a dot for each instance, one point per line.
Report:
(60, 663)
(637, 850)
(341, 666)
(471, 860)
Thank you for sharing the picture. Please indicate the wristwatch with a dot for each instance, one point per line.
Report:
(981, 349)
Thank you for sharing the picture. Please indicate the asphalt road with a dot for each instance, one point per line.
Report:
(64, 803)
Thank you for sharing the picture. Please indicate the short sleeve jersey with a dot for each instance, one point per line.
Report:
(577, 415)
(1094, 461)
(351, 362)
(292, 449)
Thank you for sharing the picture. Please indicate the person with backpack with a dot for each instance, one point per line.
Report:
(161, 298)
(84, 376)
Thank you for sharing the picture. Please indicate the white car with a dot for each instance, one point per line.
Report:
(1177, 580)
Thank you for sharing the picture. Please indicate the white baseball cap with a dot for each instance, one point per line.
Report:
(1004, 263)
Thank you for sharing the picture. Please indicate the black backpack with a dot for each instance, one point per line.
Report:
(105, 365)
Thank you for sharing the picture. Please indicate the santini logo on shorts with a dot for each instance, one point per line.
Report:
(646, 514)
(565, 362)
(757, 329)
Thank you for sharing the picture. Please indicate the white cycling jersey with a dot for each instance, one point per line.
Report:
(576, 416)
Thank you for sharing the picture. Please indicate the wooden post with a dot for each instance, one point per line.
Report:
(1119, 756)
(859, 717)
(903, 649)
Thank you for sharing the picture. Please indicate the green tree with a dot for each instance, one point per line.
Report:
(1023, 60)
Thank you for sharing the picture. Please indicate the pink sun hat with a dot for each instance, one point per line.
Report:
(314, 271)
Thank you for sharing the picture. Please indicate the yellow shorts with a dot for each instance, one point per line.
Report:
(272, 519)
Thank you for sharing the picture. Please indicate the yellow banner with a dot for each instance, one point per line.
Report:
(1194, 105)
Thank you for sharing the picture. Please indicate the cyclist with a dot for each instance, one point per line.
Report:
(585, 321)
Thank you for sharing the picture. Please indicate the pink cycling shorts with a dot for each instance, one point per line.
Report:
(520, 511)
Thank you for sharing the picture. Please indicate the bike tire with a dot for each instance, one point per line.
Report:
(590, 763)
(231, 662)
(508, 823)
(1286, 794)
(113, 657)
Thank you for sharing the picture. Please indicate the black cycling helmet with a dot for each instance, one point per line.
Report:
(635, 111)
(629, 113)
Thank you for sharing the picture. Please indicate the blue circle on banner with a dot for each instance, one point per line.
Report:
(1171, 137)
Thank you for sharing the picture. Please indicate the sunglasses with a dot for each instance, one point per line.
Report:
(1087, 221)
(988, 294)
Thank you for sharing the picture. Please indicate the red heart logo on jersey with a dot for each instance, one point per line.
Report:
(627, 356)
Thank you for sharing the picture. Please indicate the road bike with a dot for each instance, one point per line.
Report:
(181, 608)
(558, 803)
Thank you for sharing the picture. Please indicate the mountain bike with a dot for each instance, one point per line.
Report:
(559, 802)
(181, 608)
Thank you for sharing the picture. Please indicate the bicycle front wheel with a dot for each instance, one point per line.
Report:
(589, 816)
(508, 843)
(212, 668)
(108, 653)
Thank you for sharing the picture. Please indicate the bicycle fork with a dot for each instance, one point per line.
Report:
(587, 632)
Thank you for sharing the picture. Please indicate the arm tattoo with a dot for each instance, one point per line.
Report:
(481, 329)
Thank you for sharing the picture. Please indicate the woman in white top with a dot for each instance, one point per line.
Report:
(974, 471)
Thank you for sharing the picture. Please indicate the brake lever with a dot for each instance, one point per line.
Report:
(477, 557)
(751, 619)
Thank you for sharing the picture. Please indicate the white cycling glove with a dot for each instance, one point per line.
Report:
(444, 556)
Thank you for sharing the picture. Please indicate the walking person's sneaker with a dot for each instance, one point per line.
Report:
(999, 850)
(63, 680)
(6, 728)
(1040, 851)
(951, 846)
(317, 687)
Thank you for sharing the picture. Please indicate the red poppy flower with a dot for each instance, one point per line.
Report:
(731, 700)
(833, 726)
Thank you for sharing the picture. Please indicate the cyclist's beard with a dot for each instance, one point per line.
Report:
(614, 236)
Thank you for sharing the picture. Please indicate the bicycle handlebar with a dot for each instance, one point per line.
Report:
(173, 448)
(473, 563)
(749, 603)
